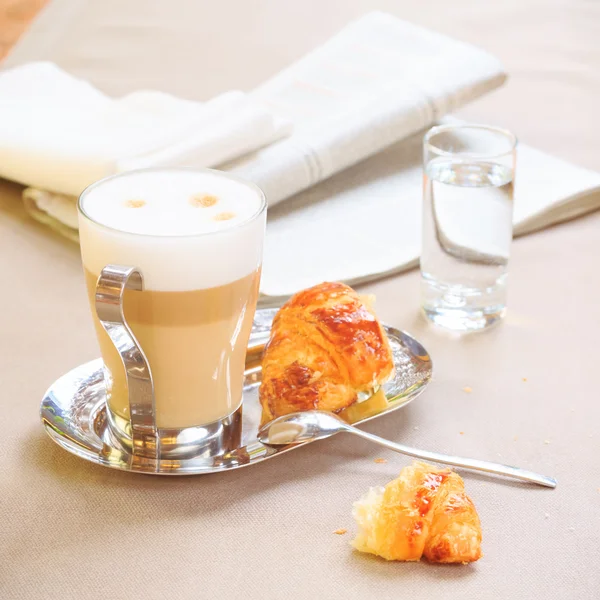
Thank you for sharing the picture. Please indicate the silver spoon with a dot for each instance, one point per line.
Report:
(312, 425)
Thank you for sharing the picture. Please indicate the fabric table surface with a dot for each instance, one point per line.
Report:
(72, 530)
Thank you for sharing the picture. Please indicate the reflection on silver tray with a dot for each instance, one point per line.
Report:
(74, 414)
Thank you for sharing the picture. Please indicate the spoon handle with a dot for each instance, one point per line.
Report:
(458, 461)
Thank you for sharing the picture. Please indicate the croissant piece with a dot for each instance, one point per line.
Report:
(326, 347)
(425, 512)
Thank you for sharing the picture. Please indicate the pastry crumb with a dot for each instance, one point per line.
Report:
(134, 203)
(380, 461)
(467, 389)
(340, 531)
(203, 200)
(461, 432)
(515, 438)
(546, 442)
(525, 379)
(224, 216)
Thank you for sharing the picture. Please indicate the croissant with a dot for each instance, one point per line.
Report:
(326, 347)
(424, 512)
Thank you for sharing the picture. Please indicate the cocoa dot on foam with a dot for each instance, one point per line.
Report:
(224, 216)
(134, 203)
(203, 200)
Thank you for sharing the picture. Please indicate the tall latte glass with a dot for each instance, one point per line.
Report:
(196, 236)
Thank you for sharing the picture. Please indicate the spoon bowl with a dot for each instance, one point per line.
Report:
(300, 427)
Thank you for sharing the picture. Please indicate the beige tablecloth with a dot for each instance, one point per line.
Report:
(74, 530)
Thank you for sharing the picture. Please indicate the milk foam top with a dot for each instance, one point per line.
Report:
(184, 229)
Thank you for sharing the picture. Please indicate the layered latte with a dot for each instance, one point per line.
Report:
(197, 238)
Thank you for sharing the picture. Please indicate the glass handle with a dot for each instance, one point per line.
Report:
(111, 285)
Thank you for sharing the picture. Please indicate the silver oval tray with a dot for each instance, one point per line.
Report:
(73, 410)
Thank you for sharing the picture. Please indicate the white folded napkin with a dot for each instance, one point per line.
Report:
(59, 133)
(378, 81)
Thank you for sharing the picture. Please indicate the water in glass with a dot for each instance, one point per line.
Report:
(467, 232)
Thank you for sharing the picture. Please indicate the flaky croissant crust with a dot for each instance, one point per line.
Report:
(425, 512)
(326, 346)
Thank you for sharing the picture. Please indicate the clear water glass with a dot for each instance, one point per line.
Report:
(468, 181)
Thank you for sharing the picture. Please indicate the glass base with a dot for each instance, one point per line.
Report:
(457, 319)
(460, 308)
(213, 439)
